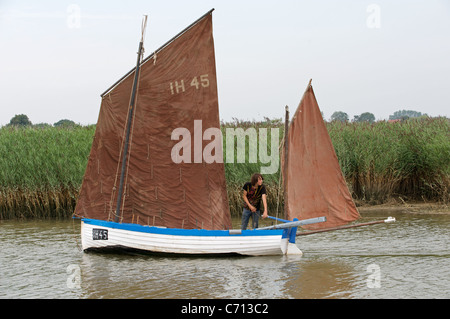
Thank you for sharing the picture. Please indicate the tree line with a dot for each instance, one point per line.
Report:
(369, 117)
(22, 120)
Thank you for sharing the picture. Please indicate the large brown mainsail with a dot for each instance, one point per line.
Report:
(177, 86)
(314, 183)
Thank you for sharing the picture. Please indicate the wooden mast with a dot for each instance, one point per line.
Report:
(130, 119)
(286, 128)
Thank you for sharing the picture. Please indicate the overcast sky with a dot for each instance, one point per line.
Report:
(57, 57)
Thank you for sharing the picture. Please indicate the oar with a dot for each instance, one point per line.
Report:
(289, 224)
(279, 219)
(388, 220)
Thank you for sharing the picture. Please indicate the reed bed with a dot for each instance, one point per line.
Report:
(409, 160)
(41, 169)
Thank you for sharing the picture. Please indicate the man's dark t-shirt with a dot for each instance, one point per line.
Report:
(254, 195)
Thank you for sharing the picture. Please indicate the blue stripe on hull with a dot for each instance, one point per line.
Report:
(179, 231)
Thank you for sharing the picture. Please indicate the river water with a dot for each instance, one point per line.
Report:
(406, 259)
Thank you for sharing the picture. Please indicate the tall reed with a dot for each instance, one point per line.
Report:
(41, 169)
(408, 159)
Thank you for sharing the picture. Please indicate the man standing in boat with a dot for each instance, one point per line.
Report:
(254, 192)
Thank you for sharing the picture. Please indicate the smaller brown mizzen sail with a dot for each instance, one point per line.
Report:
(314, 185)
(177, 88)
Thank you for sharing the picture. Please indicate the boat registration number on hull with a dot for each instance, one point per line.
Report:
(99, 234)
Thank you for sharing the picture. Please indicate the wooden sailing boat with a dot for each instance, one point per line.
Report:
(134, 194)
(138, 195)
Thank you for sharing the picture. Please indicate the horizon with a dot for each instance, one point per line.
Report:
(229, 122)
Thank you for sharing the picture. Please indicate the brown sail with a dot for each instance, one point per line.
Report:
(177, 88)
(314, 185)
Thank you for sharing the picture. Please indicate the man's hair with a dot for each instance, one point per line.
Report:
(255, 177)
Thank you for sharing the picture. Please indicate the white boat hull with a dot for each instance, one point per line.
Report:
(96, 234)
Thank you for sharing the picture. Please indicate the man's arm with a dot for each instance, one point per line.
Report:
(264, 199)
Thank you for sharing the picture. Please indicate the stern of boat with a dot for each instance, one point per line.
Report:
(288, 246)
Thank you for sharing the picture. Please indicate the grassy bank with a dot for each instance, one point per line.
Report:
(41, 169)
(410, 160)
